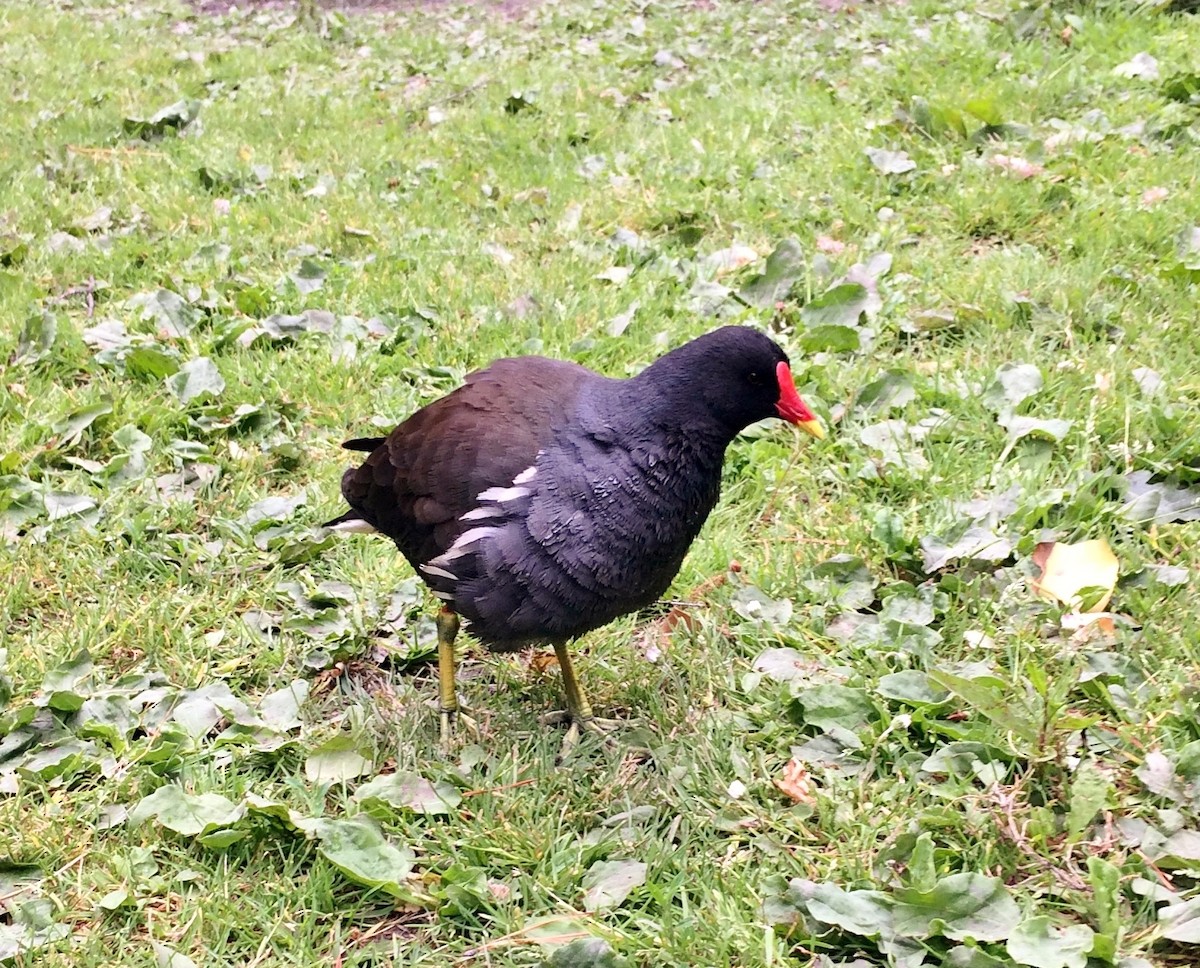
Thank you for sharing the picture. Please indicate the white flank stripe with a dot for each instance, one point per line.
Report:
(432, 569)
(470, 537)
(499, 494)
(444, 596)
(480, 514)
(526, 475)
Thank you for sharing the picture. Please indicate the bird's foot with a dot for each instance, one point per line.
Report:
(580, 725)
(451, 719)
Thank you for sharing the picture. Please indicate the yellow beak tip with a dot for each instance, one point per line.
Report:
(813, 428)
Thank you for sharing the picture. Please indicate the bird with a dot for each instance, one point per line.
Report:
(541, 500)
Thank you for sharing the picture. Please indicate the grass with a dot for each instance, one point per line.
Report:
(466, 177)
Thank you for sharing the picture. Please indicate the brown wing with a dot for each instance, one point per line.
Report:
(429, 471)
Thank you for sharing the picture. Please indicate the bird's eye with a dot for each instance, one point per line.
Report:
(755, 379)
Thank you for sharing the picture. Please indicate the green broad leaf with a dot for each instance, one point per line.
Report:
(985, 109)
(892, 391)
(71, 678)
(309, 277)
(1012, 384)
(755, 605)
(865, 913)
(36, 340)
(1019, 427)
(1091, 790)
(830, 339)
(1181, 922)
(968, 956)
(586, 953)
(167, 957)
(187, 813)
(1041, 943)
(292, 819)
(890, 162)
(409, 791)
(960, 907)
(63, 758)
(843, 582)
(976, 543)
(280, 709)
(554, 932)
(990, 701)
(1104, 878)
(783, 268)
(921, 873)
(150, 362)
(832, 706)
(841, 307)
(608, 882)
(358, 849)
(913, 688)
(337, 760)
(61, 504)
(172, 118)
(196, 379)
(171, 315)
(116, 899)
(220, 839)
(783, 665)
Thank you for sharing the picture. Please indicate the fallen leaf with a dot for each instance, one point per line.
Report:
(1017, 166)
(1152, 196)
(1068, 569)
(1139, 65)
(796, 783)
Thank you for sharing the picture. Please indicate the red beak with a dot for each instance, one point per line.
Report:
(791, 408)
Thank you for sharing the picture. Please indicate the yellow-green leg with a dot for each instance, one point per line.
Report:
(447, 629)
(579, 710)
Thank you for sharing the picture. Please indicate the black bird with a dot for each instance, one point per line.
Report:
(542, 500)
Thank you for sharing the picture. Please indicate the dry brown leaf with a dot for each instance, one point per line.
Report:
(1067, 569)
(794, 781)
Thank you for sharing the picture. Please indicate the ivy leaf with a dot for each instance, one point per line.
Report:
(1041, 943)
(186, 813)
(409, 791)
(196, 378)
(608, 882)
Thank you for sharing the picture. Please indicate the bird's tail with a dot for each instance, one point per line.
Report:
(366, 444)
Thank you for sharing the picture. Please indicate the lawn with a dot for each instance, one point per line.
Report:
(231, 239)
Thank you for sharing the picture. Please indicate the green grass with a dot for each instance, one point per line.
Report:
(483, 235)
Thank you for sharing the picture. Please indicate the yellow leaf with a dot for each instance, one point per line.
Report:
(1067, 569)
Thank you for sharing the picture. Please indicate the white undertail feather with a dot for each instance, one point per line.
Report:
(353, 526)
(437, 572)
(526, 475)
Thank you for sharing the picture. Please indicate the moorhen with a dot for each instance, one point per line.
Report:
(542, 500)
